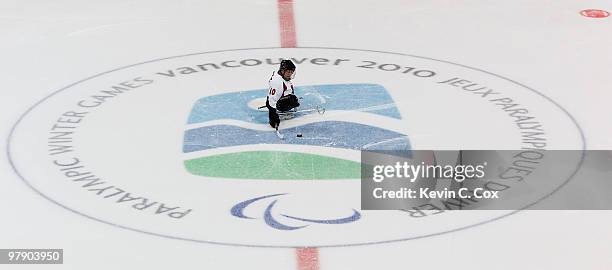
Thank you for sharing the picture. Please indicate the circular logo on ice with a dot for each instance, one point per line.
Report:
(178, 147)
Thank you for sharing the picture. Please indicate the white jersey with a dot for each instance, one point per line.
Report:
(278, 88)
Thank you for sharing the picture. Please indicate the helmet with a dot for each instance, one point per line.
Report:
(286, 65)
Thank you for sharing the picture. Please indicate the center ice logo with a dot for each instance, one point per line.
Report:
(219, 123)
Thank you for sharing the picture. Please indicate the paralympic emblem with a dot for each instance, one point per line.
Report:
(238, 211)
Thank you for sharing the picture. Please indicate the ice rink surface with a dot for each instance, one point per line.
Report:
(152, 139)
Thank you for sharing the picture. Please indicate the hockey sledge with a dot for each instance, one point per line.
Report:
(292, 113)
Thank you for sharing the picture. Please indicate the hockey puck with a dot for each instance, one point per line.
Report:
(299, 135)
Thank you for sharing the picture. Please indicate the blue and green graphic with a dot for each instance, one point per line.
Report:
(231, 109)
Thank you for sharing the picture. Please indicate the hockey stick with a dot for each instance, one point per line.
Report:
(280, 136)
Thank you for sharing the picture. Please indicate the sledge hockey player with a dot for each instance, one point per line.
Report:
(281, 95)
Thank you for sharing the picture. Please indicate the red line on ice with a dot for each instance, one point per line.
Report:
(308, 258)
(287, 24)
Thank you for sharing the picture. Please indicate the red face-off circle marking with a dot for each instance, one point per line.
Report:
(594, 13)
